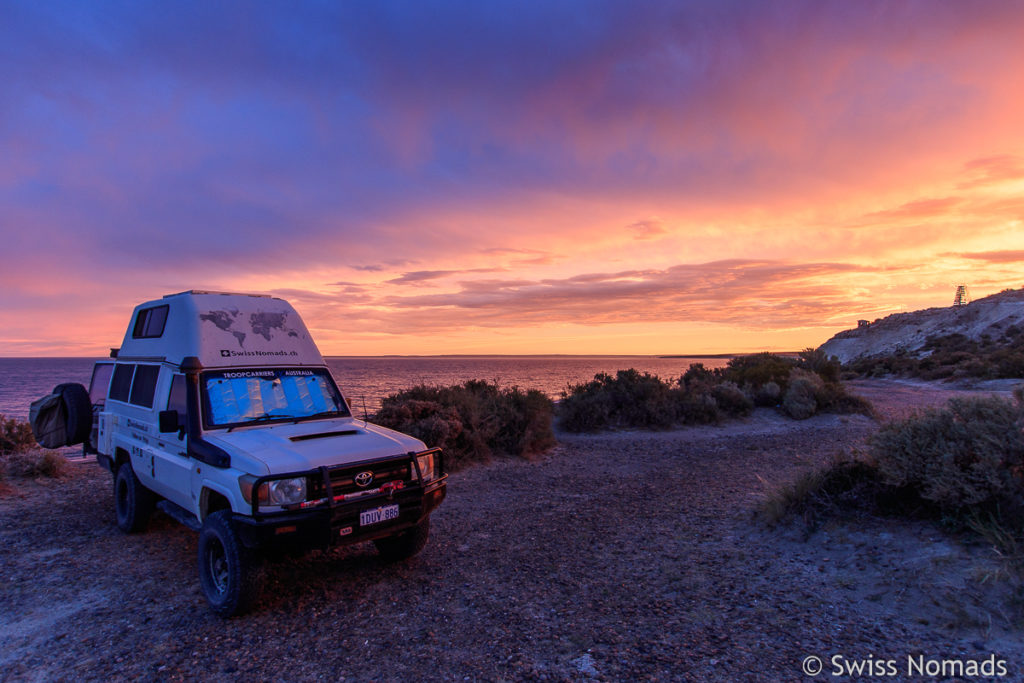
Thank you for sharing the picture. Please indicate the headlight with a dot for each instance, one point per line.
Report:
(287, 491)
(427, 466)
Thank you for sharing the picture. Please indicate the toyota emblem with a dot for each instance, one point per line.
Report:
(364, 479)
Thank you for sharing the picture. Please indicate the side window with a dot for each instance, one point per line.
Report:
(176, 399)
(101, 373)
(150, 322)
(144, 385)
(121, 383)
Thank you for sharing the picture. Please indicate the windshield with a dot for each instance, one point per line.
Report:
(237, 397)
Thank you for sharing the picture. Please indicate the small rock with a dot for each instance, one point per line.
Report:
(585, 665)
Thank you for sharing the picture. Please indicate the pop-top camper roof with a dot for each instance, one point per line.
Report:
(222, 330)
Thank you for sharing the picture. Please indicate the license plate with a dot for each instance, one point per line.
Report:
(377, 515)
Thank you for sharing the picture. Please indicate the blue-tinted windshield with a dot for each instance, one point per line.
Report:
(234, 397)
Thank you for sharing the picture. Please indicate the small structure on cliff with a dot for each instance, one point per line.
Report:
(961, 298)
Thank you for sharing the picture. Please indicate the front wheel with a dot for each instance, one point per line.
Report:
(405, 544)
(133, 502)
(231, 574)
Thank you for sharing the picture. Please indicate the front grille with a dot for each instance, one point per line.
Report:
(343, 478)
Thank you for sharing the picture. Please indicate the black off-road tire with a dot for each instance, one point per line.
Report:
(405, 544)
(79, 412)
(231, 574)
(133, 502)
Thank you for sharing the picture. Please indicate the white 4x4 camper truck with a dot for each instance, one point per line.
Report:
(220, 409)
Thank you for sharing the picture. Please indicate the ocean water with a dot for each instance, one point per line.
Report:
(367, 380)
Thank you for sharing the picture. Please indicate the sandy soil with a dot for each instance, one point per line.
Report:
(622, 556)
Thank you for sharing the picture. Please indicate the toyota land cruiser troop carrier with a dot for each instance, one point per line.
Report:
(220, 409)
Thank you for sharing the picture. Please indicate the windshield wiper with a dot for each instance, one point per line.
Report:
(261, 418)
(323, 413)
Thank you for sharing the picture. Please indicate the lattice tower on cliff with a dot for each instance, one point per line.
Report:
(962, 298)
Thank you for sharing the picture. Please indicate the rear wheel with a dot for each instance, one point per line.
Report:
(231, 574)
(405, 544)
(133, 502)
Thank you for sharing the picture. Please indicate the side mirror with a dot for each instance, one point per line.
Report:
(168, 421)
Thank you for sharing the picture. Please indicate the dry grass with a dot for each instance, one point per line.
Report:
(848, 485)
(32, 464)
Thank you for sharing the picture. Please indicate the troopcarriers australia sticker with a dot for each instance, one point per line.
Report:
(229, 353)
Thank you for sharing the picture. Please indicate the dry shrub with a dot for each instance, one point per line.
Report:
(967, 456)
(429, 421)
(15, 436)
(759, 369)
(962, 464)
(799, 401)
(731, 400)
(768, 394)
(472, 421)
(698, 408)
(952, 355)
(815, 360)
(19, 454)
(833, 398)
(633, 399)
(35, 464)
(809, 394)
(627, 399)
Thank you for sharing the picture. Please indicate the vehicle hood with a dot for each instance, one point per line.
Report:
(281, 448)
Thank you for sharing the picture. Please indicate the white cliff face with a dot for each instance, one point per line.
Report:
(992, 315)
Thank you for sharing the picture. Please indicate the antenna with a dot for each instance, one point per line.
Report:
(366, 415)
(962, 298)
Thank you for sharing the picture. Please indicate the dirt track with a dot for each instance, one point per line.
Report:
(614, 557)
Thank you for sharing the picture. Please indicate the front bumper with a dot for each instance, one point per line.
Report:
(337, 522)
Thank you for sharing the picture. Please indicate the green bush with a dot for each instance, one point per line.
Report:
(472, 421)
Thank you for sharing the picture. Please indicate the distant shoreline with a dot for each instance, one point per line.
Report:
(477, 355)
(729, 355)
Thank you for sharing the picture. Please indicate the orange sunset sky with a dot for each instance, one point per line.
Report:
(464, 177)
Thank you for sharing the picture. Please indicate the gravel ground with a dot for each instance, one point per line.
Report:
(622, 556)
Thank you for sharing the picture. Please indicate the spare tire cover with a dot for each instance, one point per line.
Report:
(78, 412)
(48, 418)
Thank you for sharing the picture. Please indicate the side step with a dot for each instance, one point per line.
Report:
(179, 513)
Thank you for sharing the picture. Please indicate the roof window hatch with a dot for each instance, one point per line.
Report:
(150, 322)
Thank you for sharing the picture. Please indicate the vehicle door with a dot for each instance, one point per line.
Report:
(130, 400)
(172, 466)
(98, 387)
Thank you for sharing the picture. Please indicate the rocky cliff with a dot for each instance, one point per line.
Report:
(908, 331)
